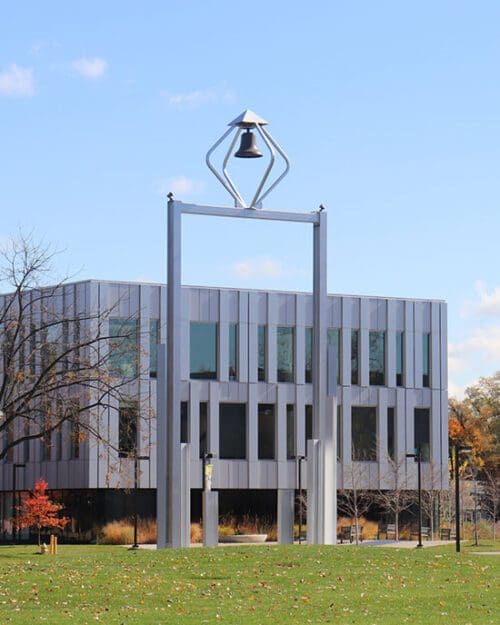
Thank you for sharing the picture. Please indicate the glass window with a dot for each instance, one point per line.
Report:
(203, 428)
(391, 434)
(262, 354)
(377, 358)
(339, 433)
(290, 431)
(184, 422)
(308, 425)
(127, 428)
(154, 339)
(422, 432)
(426, 359)
(334, 340)
(309, 354)
(123, 347)
(266, 432)
(47, 437)
(364, 433)
(354, 356)
(399, 358)
(233, 351)
(75, 435)
(232, 431)
(203, 351)
(286, 354)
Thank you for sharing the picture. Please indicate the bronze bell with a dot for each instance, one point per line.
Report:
(248, 146)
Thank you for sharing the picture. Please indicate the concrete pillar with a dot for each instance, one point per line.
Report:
(185, 516)
(210, 511)
(286, 500)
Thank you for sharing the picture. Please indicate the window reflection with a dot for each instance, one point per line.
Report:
(426, 359)
(364, 433)
(261, 373)
(233, 351)
(399, 359)
(308, 354)
(123, 347)
(266, 432)
(354, 356)
(232, 431)
(422, 432)
(377, 358)
(154, 339)
(285, 336)
(203, 351)
(334, 340)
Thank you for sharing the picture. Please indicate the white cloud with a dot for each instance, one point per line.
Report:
(456, 391)
(482, 344)
(489, 303)
(251, 269)
(199, 97)
(17, 81)
(180, 185)
(90, 67)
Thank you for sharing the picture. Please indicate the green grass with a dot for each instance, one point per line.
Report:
(249, 585)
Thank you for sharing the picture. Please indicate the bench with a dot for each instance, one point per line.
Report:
(348, 533)
(389, 529)
(447, 533)
(426, 532)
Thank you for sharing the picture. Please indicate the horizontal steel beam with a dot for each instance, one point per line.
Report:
(248, 213)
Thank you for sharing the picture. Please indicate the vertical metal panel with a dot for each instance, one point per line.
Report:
(272, 313)
(252, 437)
(253, 323)
(444, 346)
(280, 436)
(213, 419)
(243, 331)
(364, 358)
(418, 326)
(300, 350)
(435, 377)
(409, 346)
(194, 434)
(223, 337)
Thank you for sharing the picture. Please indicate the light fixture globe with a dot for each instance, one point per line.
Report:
(248, 121)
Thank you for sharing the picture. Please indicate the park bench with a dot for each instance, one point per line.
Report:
(389, 529)
(447, 533)
(426, 532)
(348, 533)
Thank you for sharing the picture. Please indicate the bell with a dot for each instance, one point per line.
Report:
(248, 147)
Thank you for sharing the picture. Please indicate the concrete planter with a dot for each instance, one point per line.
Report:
(243, 538)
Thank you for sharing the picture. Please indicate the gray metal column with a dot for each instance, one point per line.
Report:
(173, 478)
(286, 499)
(210, 511)
(185, 532)
(161, 450)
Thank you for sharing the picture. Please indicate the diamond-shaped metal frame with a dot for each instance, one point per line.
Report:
(248, 119)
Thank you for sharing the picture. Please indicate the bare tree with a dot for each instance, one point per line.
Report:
(431, 489)
(490, 500)
(356, 500)
(397, 498)
(56, 362)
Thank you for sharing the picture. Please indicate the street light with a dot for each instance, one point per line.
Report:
(299, 460)
(15, 466)
(417, 456)
(458, 449)
(136, 495)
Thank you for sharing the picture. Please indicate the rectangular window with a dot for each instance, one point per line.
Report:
(391, 434)
(232, 431)
(422, 430)
(127, 428)
(203, 428)
(203, 351)
(261, 365)
(74, 451)
(308, 425)
(339, 433)
(309, 354)
(46, 440)
(123, 347)
(233, 351)
(154, 339)
(184, 422)
(399, 358)
(334, 340)
(426, 359)
(286, 354)
(266, 432)
(290, 431)
(364, 433)
(354, 356)
(377, 358)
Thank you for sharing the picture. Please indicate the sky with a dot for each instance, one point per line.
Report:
(389, 112)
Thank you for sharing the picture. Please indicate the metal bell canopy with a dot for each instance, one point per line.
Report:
(246, 123)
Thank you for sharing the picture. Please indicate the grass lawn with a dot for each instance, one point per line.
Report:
(249, 585)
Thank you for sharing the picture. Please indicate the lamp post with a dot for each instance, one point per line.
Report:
(15, 466)
(299, 471)
(458, 449)
(417, 456)
(136, 495)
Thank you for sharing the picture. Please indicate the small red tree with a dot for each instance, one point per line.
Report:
(39, 511)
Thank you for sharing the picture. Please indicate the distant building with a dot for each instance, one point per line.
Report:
(246, 397)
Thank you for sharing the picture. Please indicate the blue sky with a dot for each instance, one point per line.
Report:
(389, 111)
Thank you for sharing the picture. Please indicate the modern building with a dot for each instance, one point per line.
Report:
(246, 396)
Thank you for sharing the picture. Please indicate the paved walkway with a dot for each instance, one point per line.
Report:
(398, 544)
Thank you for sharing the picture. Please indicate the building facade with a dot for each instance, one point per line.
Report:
(247, 395)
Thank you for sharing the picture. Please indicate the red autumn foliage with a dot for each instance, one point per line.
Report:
(39, 511)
